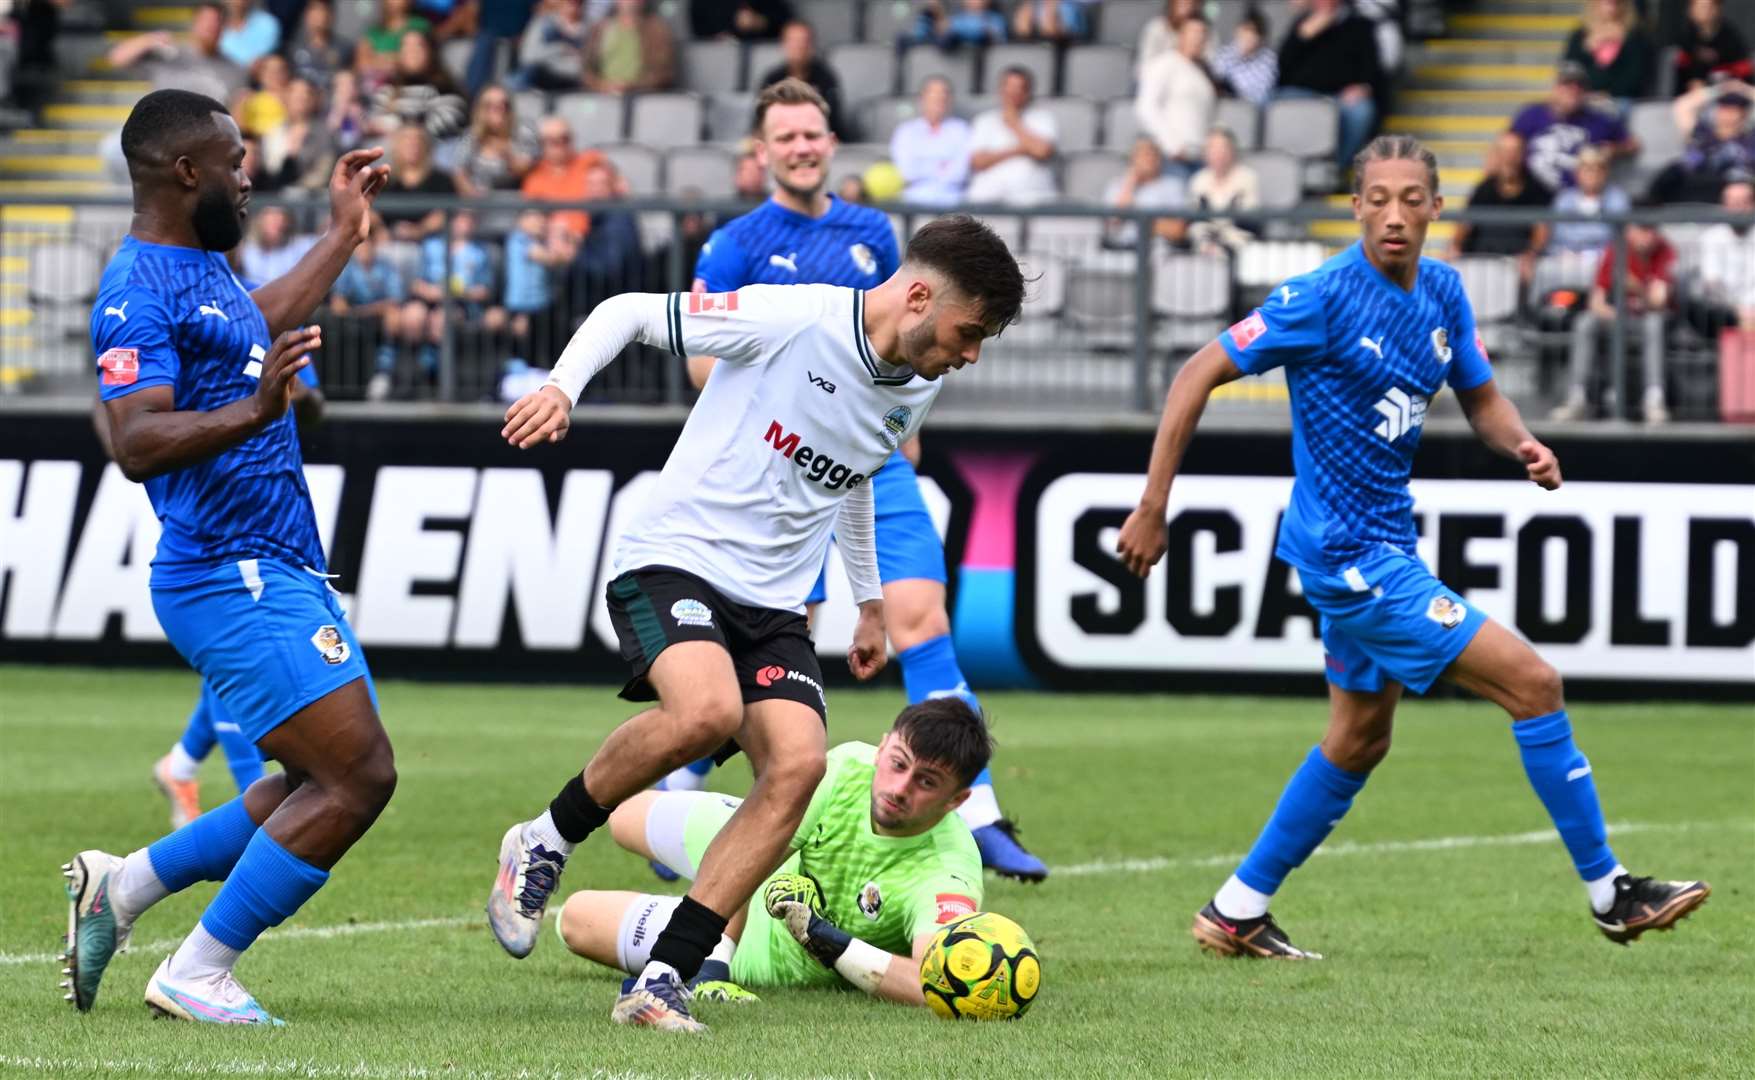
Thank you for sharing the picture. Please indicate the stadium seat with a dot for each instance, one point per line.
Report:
(852, 159)
(666, 120)
(887, 20)
(1243, 118)
(763, 56)
(1491, 283)
(639, 165)
(707, 169)
(1076, 121)
(729, 115)
(879, 117)
(1302, 127)
(1120, 22)
(710, 67)
(1071, 238)
(1098, 72)
(595, 118)
(351, 18)
(1035, 57)
(62, 282)
(1047, 296)
(921, 61)
(1193, 295)
(835, 21)
(454, 56)
(865, 70)
(529, 106)
(974, 105)
(1660, 141)
(1280, 175)
(1085, 175)
(1266, 263)
(1574, 270)
(1101, 304)
(1120, 126)
(1009, 227)
(676, 13)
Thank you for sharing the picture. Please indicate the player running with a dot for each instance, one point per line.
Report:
(196, 377)
(1367, 340)
(804, 234)
(878, 845)
(712, 575)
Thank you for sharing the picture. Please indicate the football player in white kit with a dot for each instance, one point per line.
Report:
(818, 385)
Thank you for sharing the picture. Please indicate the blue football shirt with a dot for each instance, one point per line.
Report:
(1363, 359)
(851, 245)
(177, 317)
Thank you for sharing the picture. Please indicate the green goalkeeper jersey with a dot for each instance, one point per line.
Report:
(884, 890)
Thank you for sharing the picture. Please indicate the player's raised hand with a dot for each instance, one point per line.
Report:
(353, 186)
(280, 369)
(870, 650)
(1142, 540)
(1540, 463)
(538, 417)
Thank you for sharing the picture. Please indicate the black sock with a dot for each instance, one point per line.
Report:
(576, 813)
(693, 931)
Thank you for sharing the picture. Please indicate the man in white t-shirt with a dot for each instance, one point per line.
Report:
(815, 387)
(1010, 147)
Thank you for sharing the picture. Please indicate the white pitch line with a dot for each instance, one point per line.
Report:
(293, 1068)
(293, 933)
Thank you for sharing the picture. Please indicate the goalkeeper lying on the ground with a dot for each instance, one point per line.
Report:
(879, 862)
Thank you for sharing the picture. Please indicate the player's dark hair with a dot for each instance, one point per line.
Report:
(788, 91)
(164, 123)
(975, 261)
(947, 731)
(1394, 148)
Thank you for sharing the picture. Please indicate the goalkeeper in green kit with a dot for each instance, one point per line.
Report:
(879, 863)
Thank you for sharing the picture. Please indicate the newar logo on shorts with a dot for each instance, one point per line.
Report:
(773, 673)
(818, 466)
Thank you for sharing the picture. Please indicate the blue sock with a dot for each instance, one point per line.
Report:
(268, 885)
(198, 733)
(930, 670)
(241, 756)
(701, 767)
(206, 849)
(1561, 777)
(985, 776)
(1316, 798)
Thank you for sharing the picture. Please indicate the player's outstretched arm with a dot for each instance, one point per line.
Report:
(289, 299)
(1498, 424)
(1142, 535)
(150, 436)
(613, 325)
(871, 969)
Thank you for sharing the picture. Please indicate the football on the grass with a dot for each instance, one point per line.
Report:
(981, 967)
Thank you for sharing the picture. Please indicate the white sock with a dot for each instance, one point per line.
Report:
(182, 766)
(136, 887)
(684, 779)
(202, 956)
(1238, 901)
(1602, 890)
(542, 831)
(657, 969)
(981, 808)
(723, 951)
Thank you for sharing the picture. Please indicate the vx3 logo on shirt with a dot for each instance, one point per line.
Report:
(819, 382)
(785, 262)
(213, 309)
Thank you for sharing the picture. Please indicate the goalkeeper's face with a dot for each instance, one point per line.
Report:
(910, 795)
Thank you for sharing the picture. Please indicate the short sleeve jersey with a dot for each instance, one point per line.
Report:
(1363, 358)
(177, 317)
(884, 890)
(771, 245)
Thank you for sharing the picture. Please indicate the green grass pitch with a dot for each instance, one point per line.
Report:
(1457, 937)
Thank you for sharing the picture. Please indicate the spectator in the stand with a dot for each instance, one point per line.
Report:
(273, 249)
(1724, 292)
(932, 150)
(374, 57)
(315, 53)
(1247, 67)
(609, 259)
(749, 183)
(369, 295)
(1719, 143)
(198, 66)
(457, 275)
(420, 91)
(412, 172)
(630, 51)
(1145, 186)
(261, 180)
(249, 35)
(1159, 34)
(1506, 184)
(501, 23)
(851, 189)
(537, 252)
(1331, 52)
(346, 118)
(1176, 96)
(301, 152)
(1052, 20)
(551, 54)
(1617, 56)
(1650, 297)
(1224, 184)
(973, 23)
(1593, 195)
(450, 18)
(263, 109)
(559, 174)
(1011, 147)
(799, 60)
(1556, 130)
(497, 150)
(746, 20)
(1708, 48)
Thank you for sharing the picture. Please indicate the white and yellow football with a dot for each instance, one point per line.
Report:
(981, 967)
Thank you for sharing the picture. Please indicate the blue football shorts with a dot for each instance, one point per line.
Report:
(907, 543)
(1386, 617)
(268, 637)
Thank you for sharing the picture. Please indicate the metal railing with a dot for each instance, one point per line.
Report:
(1108, 319)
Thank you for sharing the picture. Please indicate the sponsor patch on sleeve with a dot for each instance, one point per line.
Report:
(712, 303)
(1245, 332)
(953, 906)
(121, 367)
(1481, 347)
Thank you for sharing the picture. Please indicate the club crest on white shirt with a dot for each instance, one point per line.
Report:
(895, 423)
(863, 258)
